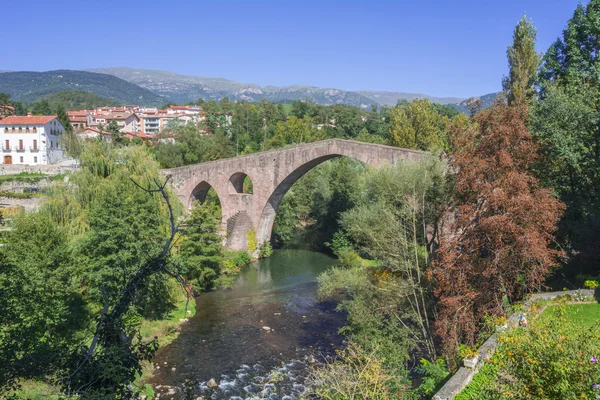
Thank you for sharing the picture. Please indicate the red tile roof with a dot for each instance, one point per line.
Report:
(86, 130)
(27, 120)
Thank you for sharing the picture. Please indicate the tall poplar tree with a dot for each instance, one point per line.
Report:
(523, 62)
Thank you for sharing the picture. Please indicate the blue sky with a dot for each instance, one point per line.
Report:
(441, 47)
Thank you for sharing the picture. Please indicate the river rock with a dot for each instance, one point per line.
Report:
(266, 328)
(212, 383)
(173, 369)
(277, 313)
(183, 320)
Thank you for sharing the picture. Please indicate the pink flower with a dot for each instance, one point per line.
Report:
(593, 359)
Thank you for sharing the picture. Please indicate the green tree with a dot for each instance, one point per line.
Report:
(295, 131)
(566, 120)
(523, 62)
(201, 252)
(115, 132)
(417, 125)
(41, 107)
(42, 309)
(5, 99)
(63, 117)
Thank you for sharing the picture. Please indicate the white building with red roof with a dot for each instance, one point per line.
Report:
(31, 140)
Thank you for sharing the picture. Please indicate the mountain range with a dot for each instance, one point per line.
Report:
(154, 88)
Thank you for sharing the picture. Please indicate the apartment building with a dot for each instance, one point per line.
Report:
(31, 140)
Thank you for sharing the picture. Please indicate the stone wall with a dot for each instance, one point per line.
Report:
(12, 169)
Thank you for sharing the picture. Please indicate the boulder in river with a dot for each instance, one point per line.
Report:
(266, 328)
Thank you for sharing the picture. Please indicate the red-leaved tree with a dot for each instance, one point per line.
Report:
(500, 246)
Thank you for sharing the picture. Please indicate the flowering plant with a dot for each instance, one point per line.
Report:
(556, 360)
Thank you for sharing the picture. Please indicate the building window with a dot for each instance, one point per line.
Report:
(21, 159)
(34, 144)
(34, 130)
(21, 144)
(35, 160)
(7, 144)
(27, 130)
(20, 130)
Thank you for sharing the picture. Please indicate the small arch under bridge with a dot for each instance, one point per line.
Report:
(272, 174)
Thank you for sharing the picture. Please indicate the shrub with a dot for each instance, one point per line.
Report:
(356, 374)
(252, 242)
(265, 250)
(435, 374)
(556, 360)
(591, 284)
(339, 243)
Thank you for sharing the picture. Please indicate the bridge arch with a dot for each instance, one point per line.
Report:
(269, 212)
(201, 192)
(237, 181)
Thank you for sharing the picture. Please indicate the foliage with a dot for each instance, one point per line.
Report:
(500, 246)
(63, 117)
(590, 284)
(389, 225)
(417, 125)
(201, 253)
(190, 147)
(566, 121)
(79, 100)
(339, 243)
(435, 374)
(252, 242)
(356, 374)
(42, 310)
(16, 195)
(523, 62)
(554, 360)
(295, 131)
(265, 250)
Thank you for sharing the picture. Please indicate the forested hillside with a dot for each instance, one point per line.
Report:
(31, 86)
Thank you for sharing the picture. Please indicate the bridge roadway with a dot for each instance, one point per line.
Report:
(272, 173)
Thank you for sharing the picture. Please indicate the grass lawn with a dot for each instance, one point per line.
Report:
(580, 314)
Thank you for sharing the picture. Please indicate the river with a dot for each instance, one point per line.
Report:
(269, 324)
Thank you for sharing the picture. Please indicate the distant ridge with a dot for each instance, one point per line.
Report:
(391, 98)
(31, 86)
(183, 88)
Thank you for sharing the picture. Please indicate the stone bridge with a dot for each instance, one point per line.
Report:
(272, 174)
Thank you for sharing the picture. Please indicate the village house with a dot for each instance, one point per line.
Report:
(31, 140)
(90, 133)
(80, 119)
(127, 121)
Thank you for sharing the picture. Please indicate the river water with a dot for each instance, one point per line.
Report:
(258, 339)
